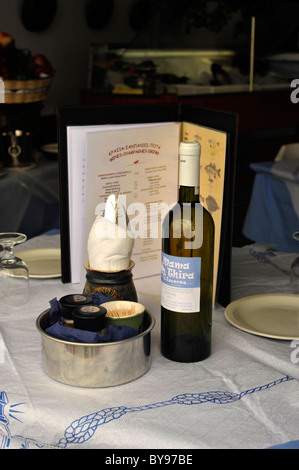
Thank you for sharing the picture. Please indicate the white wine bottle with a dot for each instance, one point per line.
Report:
(187, 268)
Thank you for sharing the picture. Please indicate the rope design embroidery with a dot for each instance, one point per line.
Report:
(263, 258)
(83, 429)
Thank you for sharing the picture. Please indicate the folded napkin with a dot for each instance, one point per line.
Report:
(109, 246)
(59, 331)
(114, 333)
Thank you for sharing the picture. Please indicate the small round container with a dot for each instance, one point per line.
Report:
(96, 365)
(89, 317)
(68, 303)
(116, 284)
(124, 312)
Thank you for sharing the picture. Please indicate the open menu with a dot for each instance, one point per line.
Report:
(136, 162)
(139, 162)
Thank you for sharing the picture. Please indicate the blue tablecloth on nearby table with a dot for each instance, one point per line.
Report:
(273, 213)
(244, 396)
(29, 200)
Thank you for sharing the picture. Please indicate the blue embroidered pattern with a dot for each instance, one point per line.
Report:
(83, 429)
(264, 258)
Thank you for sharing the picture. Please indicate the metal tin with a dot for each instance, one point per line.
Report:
(96, 365)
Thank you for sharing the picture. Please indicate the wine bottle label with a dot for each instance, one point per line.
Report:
(189, 171)
(180, 278)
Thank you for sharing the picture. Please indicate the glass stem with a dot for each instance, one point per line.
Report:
(8, 255)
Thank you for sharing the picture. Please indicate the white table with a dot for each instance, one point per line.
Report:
(244, 396)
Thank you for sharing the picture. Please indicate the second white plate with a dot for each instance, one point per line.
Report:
(270, 315)
(42, 262)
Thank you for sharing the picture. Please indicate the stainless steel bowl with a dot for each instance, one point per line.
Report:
(96, 365)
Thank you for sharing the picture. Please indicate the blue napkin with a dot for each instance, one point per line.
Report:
(114, 333)
(59, 331)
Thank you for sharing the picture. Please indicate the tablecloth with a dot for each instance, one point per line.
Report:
(273, 212)
(244, 396)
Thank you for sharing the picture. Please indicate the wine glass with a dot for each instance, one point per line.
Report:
(14, 275)
(294, 276)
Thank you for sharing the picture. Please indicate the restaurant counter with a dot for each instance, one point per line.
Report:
(244, 396)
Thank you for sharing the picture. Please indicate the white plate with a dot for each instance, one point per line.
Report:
(270, 315)
(50, 148)
(42, 262)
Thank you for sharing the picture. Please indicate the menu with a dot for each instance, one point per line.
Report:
(212, 176)
(139, 163)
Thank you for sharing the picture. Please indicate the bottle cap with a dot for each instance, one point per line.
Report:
(189, 164)
(89, 317)
(69, 302)
(190, 148)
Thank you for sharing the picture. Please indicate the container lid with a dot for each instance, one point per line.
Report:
(69, 302)
(89, 317)
(73, 300)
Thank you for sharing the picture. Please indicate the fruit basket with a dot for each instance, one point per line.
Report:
(26, 91)
(25, 78)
